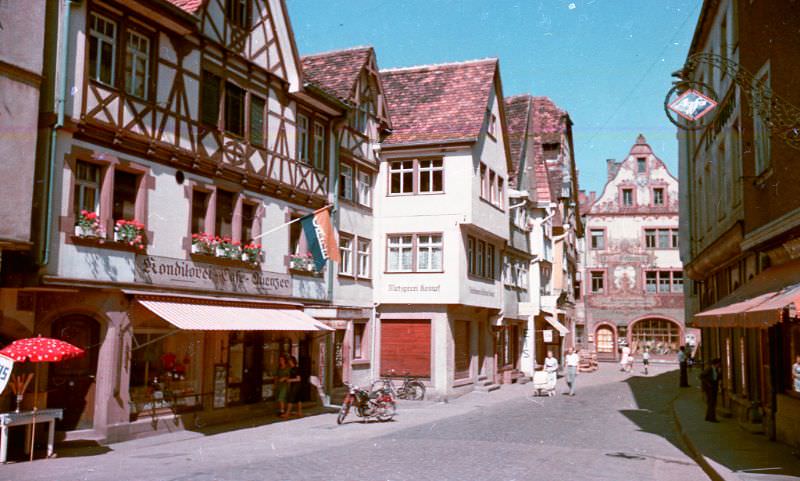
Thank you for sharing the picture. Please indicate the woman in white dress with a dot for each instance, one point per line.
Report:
(550, 367)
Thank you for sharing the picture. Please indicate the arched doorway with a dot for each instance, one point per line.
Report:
(71, 384)
(604, 342)
(661, 336)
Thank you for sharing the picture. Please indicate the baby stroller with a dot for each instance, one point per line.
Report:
(543, 384)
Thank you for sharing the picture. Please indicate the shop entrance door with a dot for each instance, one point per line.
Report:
(71, 384)
(253, 365)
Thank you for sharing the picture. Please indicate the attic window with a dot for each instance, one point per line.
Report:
(492, 130)
(641, 165)
(551, 151)
(238, 13)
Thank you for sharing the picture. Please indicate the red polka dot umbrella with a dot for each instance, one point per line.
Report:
(40, 349)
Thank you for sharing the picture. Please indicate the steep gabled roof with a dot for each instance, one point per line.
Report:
(518, 109)
(189, 6)
(336, 71)
(436, 103)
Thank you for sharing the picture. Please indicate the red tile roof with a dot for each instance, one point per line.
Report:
(437, 103)
(337, 71)
(190, 6)
(518, 110)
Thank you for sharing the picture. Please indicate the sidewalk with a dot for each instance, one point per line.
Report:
(726, 451)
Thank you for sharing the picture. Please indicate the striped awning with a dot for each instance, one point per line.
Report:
(207, 316)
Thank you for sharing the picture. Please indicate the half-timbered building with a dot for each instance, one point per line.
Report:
(189, 138)
(351, 77)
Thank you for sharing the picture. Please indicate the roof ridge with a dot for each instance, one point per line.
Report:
(440, 65)
(340, 50)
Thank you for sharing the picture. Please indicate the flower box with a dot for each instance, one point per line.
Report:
(88, 225)
(130, 232)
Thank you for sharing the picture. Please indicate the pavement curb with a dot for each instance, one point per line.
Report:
(706, 464)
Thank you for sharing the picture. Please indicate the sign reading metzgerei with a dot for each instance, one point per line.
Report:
(170, 272)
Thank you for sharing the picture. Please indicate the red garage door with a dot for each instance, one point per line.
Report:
(406, 346)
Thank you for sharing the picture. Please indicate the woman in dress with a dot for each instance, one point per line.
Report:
(282, 386)
(551, 367)
(294, 389)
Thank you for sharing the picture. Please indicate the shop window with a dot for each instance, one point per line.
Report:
(125, 188)
(256, 120)
(86, 188)
(358, 340)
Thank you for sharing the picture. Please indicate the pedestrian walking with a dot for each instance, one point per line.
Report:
(572, 361)
(682, 360)
(796, 373)
(623, 361)
(294, 389)
(709, 379)
(646, 360)
(551, 367)
(281, 379)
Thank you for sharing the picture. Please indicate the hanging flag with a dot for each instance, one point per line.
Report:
(321, 237)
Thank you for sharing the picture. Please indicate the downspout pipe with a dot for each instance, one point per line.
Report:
(61, 99)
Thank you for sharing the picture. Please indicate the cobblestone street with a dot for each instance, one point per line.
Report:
(617, 427)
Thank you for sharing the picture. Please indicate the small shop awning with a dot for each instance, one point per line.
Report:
(758, 304)
(204, 315)
(561, 328)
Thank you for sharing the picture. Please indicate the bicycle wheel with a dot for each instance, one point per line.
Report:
(342, 413)
(386, 411)
(415, 391)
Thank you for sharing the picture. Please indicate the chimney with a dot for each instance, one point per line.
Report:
(611, 167)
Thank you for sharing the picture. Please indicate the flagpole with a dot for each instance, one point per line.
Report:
(291, 222)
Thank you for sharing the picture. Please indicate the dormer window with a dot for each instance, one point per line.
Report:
(641, 165)
(238, 13)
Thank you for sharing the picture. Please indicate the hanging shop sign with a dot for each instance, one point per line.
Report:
(6, 365)
(547, 334)
(692, 105)
(171, 272)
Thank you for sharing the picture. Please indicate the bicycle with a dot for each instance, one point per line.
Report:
(412, 388)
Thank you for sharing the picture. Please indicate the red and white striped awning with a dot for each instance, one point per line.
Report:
(212, 316)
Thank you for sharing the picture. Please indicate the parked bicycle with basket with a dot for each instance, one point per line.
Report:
(412, 388)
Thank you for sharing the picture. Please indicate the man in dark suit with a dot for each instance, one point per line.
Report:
(710, 381)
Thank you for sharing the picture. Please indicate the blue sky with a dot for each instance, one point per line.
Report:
(607, 62)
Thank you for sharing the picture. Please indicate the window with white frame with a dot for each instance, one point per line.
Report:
(431, 175)
(302, 138)
(762, 98)
(319, 146)
(359, 328)
(137, 64)
(364, 188)
(400, 253)
(484, 181)
(598, 238)
(429, 252)
(87, 188)
(363, 260)
(401, 177)
(102, 49)
(346, 181)
(664, 281)
(346, 254)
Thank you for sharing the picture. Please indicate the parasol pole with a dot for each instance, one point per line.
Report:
(35, 404)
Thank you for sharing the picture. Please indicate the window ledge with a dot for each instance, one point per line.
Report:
(102, 243)
(304, 272)
(223, 261)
